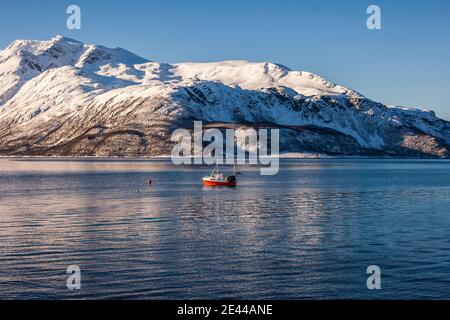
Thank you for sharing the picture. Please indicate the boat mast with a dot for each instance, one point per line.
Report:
(216, 169)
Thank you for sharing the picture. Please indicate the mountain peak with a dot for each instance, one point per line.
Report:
(61, 38)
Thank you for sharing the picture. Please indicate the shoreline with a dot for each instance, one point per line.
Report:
(287, 156)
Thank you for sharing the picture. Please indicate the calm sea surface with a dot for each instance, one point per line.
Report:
(309, 232)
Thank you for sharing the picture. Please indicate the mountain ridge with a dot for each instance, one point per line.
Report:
(62, 97)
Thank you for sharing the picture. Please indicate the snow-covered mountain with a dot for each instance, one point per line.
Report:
(63, 97)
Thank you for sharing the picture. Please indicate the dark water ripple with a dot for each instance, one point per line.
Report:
(309, 232)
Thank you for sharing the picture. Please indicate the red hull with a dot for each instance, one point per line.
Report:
(212, 183)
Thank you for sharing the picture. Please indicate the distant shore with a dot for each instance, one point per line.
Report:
(309, 156)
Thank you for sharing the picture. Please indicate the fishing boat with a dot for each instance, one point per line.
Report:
(218, 179)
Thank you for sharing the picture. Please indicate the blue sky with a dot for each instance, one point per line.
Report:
(406, 63)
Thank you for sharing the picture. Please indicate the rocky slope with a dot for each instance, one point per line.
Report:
(64, 98)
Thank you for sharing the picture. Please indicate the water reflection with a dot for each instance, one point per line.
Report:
(310, 231)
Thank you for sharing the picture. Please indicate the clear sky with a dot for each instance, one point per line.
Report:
(406, 63)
